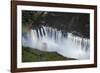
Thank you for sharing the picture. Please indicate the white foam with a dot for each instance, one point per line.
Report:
(52, 40)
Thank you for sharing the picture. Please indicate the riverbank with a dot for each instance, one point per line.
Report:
(34, 55)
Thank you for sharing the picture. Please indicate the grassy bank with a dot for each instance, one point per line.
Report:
(34, 55)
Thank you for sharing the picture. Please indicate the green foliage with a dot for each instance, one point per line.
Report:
(27, 16)
(34, 55)
(32, 16)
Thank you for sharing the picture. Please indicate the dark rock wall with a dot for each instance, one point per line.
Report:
(77, 23)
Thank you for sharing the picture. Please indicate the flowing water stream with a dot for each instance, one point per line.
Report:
(52, 40)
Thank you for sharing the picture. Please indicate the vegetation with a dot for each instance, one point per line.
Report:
(34, 55)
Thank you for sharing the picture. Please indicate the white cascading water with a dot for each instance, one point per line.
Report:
(52, 40)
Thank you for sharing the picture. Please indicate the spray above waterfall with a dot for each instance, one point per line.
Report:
(52, 40)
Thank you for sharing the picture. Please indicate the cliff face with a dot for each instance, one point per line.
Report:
(77, 23)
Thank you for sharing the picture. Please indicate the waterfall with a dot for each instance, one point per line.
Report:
(53, 40)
